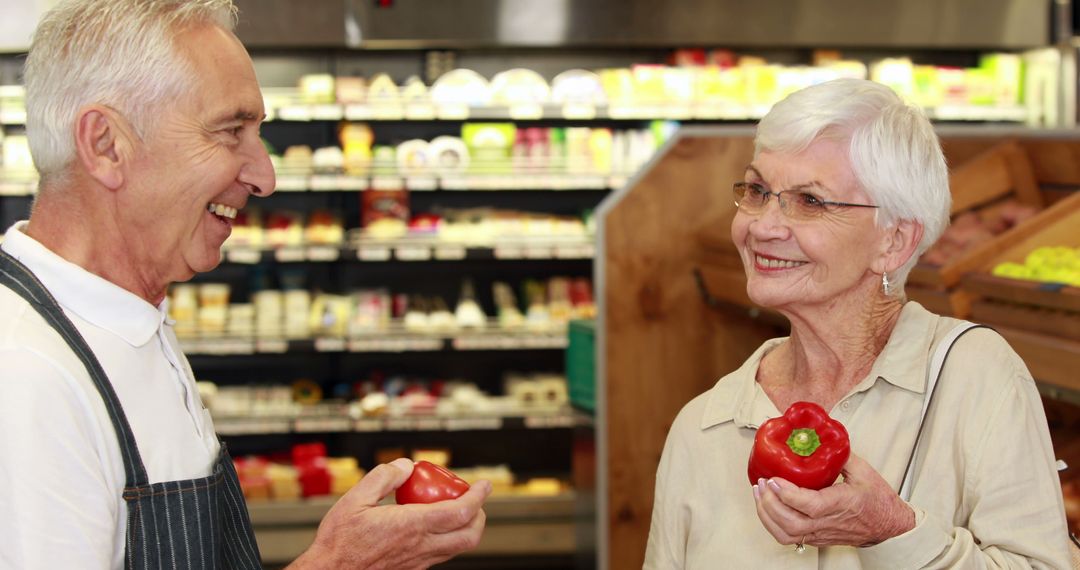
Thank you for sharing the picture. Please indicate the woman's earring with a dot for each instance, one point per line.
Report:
(885, 283)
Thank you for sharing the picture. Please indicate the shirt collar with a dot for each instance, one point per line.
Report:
(738, 397)
(903, 363)
(905, 360)
(94, 299)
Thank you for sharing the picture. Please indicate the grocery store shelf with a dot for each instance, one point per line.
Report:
(309, 181)
(497, 507)
(541, 418)
(711, 111)
(23, 183)
(978, 113)
(516, 525)
(1053, 361)
(413, 250)
(1031, 318)
(18, 182)
(1039, 294)
(391, 341)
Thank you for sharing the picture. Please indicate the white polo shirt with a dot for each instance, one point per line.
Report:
(61, 475)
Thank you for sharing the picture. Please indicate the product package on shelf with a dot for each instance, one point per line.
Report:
(376, 402)
(306, 473)
(380, 318)
(719, 84)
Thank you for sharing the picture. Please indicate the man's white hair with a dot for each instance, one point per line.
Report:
(894, 151)
(118, 53)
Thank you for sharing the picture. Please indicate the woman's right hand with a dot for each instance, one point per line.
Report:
(861, 511)
(357, 532)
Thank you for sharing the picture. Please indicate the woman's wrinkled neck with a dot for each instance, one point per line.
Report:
(832, 347)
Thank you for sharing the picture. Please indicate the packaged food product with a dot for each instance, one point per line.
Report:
(519, 86)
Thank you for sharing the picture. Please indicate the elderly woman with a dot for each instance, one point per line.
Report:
(847, 187)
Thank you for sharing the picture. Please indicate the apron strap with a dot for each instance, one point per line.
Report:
(17, 277)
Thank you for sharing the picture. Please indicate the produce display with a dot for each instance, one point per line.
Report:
(1047, 264)
(804, 446)
(305, 472)
(430, 483)
(970, 229)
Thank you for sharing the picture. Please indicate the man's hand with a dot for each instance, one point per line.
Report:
(359, 533)
(862, 511)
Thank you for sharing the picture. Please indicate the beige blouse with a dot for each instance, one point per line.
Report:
(986, 493)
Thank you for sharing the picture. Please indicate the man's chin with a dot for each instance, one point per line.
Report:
(205, 263)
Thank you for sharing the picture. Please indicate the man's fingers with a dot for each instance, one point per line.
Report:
(448, 516)
(381, 481)
(441, 547)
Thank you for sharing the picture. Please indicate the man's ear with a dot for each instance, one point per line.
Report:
(100, 141)
(900, 242)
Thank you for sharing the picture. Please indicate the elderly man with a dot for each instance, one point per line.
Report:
(143, 118)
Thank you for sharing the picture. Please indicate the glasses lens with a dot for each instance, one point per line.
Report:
(739, 189)
(750, 196)
(803, 205)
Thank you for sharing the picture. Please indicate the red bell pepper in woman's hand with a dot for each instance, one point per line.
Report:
(804, 446)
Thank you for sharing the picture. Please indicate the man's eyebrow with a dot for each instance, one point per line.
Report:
(240, 115)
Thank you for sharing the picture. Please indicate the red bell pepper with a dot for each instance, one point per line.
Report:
(804, 446)
(430, 483)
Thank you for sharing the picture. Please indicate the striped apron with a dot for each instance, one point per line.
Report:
(198, 523)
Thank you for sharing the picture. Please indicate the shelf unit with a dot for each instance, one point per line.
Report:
(517, 525)
(339, 421)
(537, 442)
(578, 112)
(392, 341)
(514, 525)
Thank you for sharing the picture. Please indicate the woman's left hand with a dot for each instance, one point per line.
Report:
(862, 511)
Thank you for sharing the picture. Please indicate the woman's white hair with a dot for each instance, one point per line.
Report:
(894, 151)
(118, 53)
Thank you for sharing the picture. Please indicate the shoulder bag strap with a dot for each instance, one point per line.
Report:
(937, 362)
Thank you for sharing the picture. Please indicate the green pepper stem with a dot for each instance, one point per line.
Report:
(804, 441)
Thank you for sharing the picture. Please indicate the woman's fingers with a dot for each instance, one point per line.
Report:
(784, 523)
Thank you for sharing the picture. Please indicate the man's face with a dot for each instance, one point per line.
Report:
(199, 164)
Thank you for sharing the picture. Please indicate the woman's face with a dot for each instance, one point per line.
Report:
(803, 262)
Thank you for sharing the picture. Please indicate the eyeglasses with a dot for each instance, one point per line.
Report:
(795, 204)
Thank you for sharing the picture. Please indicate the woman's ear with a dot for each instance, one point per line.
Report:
(900, 242)
(99, 143)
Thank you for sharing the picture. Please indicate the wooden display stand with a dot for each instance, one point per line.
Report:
(659, 343)
(999, 172)
(1040, 320)
(675, 317)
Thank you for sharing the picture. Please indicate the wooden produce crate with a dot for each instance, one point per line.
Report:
(1058, 225)
(1040, 320)
(980, 185)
